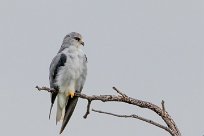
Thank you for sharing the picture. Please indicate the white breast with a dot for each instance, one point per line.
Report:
(73, 69)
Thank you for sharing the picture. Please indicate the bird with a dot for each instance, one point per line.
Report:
(67, 75)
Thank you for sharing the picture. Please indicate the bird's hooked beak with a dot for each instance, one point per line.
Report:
(82, 43)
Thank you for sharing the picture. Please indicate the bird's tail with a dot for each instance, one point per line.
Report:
(71, 104)
(61, 102)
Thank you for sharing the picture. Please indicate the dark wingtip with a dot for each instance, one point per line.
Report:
(62, 128)
(61, 131)
(50, 110)
(71, 104)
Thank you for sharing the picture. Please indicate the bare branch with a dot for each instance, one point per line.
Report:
(88, 109)
(163, 107)
(51, 90)
(171, 125)
(136, 117)
(124, 95)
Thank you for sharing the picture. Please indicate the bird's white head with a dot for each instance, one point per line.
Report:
(74, 38)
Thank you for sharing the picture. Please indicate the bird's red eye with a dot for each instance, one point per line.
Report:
(77, 38)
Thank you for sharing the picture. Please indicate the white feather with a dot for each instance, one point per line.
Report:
(69, 76)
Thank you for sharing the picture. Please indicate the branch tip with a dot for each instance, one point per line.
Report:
(119, 92)
(163, 107)
(88, 109)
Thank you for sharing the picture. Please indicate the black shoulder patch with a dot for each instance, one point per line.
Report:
(60, 63)
(86, 59)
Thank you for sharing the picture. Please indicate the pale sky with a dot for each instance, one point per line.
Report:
(151, 50)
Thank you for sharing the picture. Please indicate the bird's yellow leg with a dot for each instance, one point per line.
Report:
(71, 93)
(71, 89)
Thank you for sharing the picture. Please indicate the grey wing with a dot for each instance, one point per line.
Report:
(57, 62)
(71, 104)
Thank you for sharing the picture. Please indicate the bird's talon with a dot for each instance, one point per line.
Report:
(71, 94)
